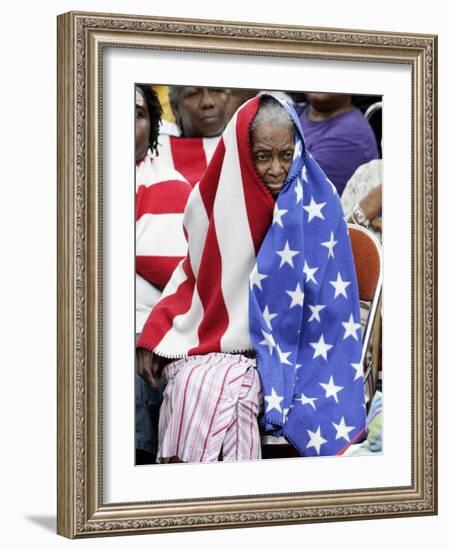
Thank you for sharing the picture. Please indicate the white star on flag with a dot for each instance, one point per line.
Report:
(283, 356)
(273, 401)
(340, 286)
(358, 369)
(256, 278)
(277, 215)
(330, 244)
(316, 312)
(268, 316)
(321, 348)
(268, 340)
(316, 440)
(304, 173)
(314, 210)
(310, 272)
(351, 328)
(287, 255)
(307, 401)
(297, 296)
(298, 190)
(342, 429)
(298, 149)
(332, 389)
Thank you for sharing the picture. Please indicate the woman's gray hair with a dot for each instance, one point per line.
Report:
(174, 94)
(271, 112)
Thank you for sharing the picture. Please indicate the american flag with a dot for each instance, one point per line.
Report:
(305, 317)
(161, 197)
(189, 156)
(204, 307)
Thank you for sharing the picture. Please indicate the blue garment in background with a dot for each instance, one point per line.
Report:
(339, 144)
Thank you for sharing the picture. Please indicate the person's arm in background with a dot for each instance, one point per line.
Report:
(150, 365)
(368, 208)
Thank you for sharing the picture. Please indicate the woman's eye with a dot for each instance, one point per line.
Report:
(288, 155)
(262, 157)
(192, 93)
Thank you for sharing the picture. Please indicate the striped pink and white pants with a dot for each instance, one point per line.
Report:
(211, 404)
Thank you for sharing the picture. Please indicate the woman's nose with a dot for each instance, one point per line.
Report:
(275, 167)
(207, 100)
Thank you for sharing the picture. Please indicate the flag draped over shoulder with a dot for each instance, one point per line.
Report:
(204, 307)
(304, 315)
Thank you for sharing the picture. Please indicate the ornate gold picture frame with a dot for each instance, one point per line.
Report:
(83, 39)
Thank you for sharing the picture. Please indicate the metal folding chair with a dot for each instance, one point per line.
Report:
(367, 254)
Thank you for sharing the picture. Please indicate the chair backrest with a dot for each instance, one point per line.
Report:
(367, 254)
(372, 110)
(367, 259)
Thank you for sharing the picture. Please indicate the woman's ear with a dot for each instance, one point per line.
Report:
(174, 110)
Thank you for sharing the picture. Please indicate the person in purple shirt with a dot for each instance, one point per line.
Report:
(338, 135)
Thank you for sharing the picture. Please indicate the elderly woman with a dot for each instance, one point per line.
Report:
(161, 196)
(201, 116)
(263, 313)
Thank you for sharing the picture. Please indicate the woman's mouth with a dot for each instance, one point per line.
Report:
(275, 187)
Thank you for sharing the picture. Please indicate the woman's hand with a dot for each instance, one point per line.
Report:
(376, 224)
(149, 365)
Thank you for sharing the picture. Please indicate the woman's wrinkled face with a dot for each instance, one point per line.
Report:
(142, 125)
(272, 149)
(202, 111)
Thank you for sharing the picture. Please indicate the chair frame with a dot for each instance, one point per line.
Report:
(375, 302)
(372, 109)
